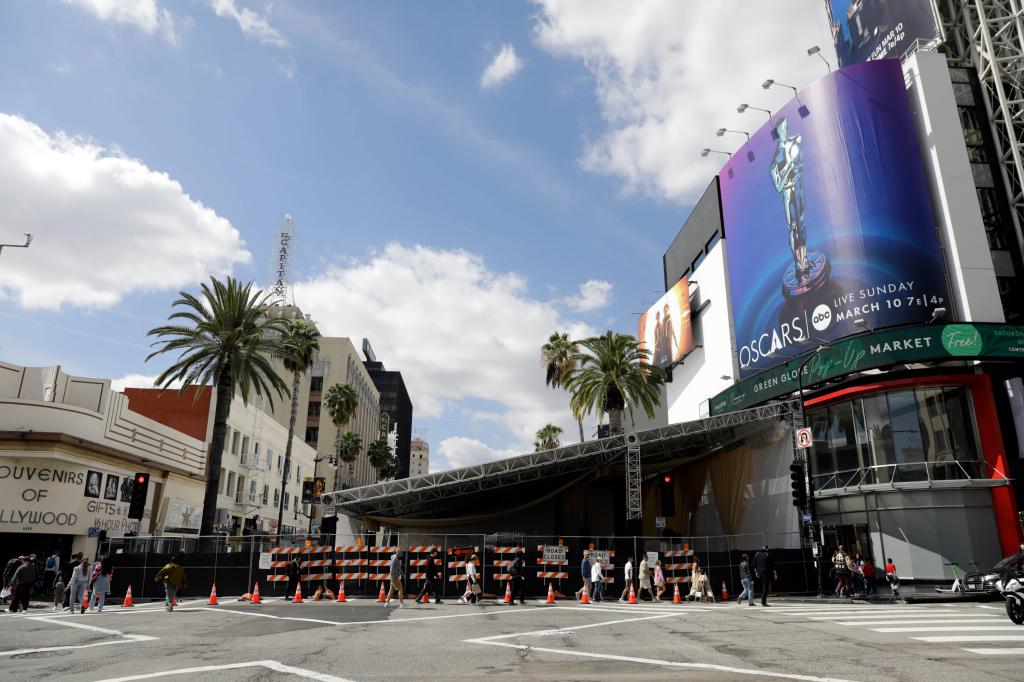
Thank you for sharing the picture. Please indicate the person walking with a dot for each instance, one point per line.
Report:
(472, 588)
(66, 573)
(746, 581)
(293, 571)
(172, 575)
(51, 571)
(627, 571)
(518, 573)
(764, 568)
(597, 580)
(867, 567)
(659, 581)
(432, 573)
(841, 571)
(396, 574)
(585, 574)
(21, 584)
(892, 578)
(78, 582)
(102, 573)
(645, 579)
(9, 569)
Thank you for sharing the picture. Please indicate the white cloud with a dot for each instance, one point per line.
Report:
(504, 65)
(104, 225)
(146, 15)
(594, 295)
(459, 451)
(460, 333)
(668, 74)
(137, 381)
(252, 24)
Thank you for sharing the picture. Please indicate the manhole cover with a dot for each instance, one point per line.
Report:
(42, 654)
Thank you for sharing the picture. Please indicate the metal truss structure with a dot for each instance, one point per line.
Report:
(989, 35)
(420, 494)
(634, 506)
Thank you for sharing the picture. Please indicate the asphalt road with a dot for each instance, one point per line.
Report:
(362, 640)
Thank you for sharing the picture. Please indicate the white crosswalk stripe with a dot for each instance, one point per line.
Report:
(961, 623)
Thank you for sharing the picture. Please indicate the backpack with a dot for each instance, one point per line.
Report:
(51, 563)
(516, 568)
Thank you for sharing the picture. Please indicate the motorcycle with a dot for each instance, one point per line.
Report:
(1011, 587)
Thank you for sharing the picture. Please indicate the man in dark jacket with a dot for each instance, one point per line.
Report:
(764, 567)
(431, 573)
(293, 578)
(518, 573)
(21, 584)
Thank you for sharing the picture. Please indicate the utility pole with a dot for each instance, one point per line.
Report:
(28, 240)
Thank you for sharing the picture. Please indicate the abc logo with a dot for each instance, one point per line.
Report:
(822, 317)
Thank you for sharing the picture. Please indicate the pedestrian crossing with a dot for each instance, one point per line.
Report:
(940, 624)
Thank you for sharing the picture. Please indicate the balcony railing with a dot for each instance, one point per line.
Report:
(253, 461)
(945, 473)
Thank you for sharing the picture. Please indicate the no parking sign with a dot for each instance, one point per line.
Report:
(804, 437)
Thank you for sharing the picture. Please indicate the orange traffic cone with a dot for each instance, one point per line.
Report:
(175, 601)
(255, 594)
(585, 599)
(508, 592)
(341, 592)
(128, 598)
(632, 594)
(676, 599)
(725, 592)
(551, 594)
(213, 595)
(85, 601)
(298, 594)
(425, 599)
(382, 598)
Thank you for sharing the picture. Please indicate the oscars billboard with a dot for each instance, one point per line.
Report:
(878, 29)
(828, 222)
(665, 330)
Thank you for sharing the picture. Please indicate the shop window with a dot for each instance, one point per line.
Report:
(906, 436)
(823, 462)
(843, 435)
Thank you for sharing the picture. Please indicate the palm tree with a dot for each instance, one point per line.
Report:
(303, 342)
(380, 456)
(225, 339)
(341, 402)
(349, 445)
(612, 373)
(557, 356)
(547, 438)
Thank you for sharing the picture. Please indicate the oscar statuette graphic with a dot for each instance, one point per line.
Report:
(810, 269)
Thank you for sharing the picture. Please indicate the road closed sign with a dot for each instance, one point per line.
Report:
(555, 553)
(804, 439)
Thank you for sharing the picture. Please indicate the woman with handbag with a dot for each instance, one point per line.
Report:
(472, 593)
(102, 574)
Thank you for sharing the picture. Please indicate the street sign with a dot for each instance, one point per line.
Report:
(264, 561)
(652, 558)
(659, 521)
(555, 553)
(601, 554)
(328, 506)
(804, 437)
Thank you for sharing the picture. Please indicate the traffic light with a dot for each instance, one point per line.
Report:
(668, 495)
(140, 486)
(796, 475)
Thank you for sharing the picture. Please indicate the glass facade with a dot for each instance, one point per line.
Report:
(922, 434)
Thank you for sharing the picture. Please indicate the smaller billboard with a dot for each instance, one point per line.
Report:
(864, 30)
(665, 330)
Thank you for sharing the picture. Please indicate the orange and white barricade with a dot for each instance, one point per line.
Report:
(676, 563)
(351, 567)
(383, 560)
(420, 562)
(281, 556)
(457, 564)
(500, 565)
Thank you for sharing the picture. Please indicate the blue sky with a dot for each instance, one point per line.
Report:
(451, 221)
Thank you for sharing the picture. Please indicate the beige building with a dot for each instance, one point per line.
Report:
(419, 457)
(69, 450)
(338, 362)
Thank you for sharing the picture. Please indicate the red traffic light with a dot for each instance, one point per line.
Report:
(140, 478)
(668, 479)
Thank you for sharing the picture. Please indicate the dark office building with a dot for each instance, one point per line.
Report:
(394, 401)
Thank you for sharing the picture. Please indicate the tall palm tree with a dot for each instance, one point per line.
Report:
(349, 445)
(302, 342)
(557, 356)
(225, 339)
(613, 372)
(547, 438)
(341, 402)
(380, 456)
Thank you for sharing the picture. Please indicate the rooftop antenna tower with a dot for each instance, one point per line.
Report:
(281, 292)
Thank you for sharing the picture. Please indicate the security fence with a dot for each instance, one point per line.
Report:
(236, 564)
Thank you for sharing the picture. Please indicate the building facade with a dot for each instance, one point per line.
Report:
(252, 465)
(914, 414)
(395, 403)
(419, 457)
(69, 450)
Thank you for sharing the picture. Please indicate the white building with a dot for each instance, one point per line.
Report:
(69, 450)
(419, 457)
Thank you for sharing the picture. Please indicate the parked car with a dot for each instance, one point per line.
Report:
(985, 581)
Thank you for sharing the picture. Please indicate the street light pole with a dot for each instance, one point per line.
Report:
(28, 240)
(811, 508)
